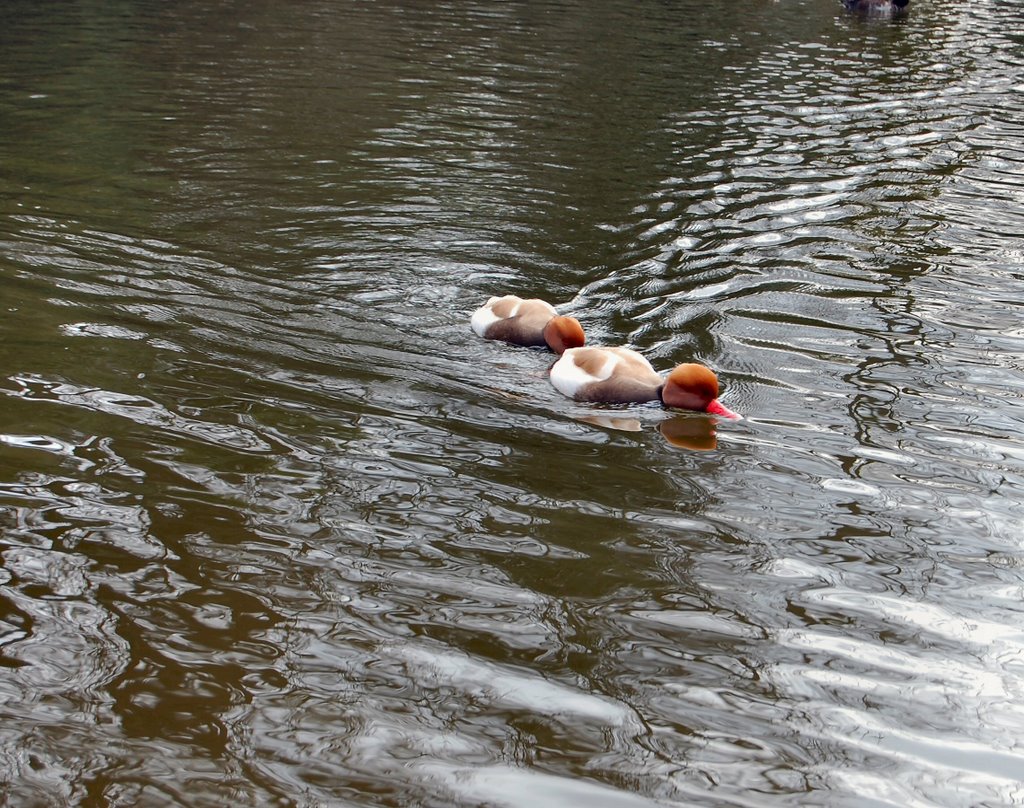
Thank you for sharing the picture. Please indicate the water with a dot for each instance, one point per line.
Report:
(279, 530)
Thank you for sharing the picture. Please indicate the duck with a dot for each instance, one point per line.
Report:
(527, 322)
(624, 376)
(876, 6)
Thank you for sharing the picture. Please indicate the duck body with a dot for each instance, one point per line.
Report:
(606, 375)
(623, 376)
(530, 322)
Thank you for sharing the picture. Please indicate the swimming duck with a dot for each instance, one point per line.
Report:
(623, 376)
(527, 322)
(876, 6)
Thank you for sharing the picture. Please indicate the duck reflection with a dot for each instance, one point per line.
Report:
(694, 432)
(612, 422)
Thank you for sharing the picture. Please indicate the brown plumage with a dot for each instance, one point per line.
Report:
(527, 322)
(623, 376)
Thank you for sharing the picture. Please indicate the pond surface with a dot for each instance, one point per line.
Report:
(278, 529)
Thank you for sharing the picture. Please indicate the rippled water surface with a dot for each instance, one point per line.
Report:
(278, 529)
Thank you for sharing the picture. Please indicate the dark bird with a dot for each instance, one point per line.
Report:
(876, 6)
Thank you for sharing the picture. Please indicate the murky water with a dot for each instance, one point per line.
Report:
(279, 530)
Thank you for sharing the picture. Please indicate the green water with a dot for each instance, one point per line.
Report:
(278, 529)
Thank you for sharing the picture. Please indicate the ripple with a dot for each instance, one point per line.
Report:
(100, 330)
(271, 512)
(139, 410)
(508, 689)
(495, 785)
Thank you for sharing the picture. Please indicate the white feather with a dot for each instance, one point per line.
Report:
(483, 318)
(569, 378)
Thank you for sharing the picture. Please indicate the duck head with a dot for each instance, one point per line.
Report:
(562, 333)
(694, 387)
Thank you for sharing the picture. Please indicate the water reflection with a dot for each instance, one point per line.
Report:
(694, 432)
(697, 433)
(276, 529)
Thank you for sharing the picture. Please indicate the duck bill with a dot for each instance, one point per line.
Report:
(716, 407)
